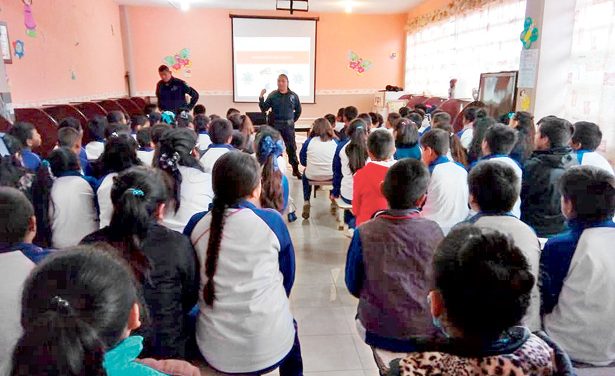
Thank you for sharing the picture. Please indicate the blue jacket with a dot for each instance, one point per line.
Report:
(35, 253)
(31, 160)
(337, 170)
(412, 152)
(121, 360)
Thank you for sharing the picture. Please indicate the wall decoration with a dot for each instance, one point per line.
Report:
(454, 8)
(358, 64)
(180, 62)
(18, 47)
(73, 75)
(393, 56)
(5, 45)
(28, 18)
(525, 101)
(529, 35)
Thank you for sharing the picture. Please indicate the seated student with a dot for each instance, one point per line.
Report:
(185, 120)
(447, 194)
(377, 119)
(367, 197)
(154, 118)
(481, 124)
(17, 258)
(64, 201)
(79, 309)
(232, 111)
(201, 126)
(116, 117)
(523, 122)
(150, 109)
(221, 135)
(467, 133)
(190, 185)
(71, 139)
(585, 140)
(339, 121)
(350, 114)
(12, 172)
(406, 137)
(366, 119)
(540, 198)
(199, 109)
(238, 141)
(392, 119)
(577, 269)
(392, 314)
(496, 146)
(275, 191)
(438, 120)
(243, 124)
(494, 189)
(331, 119)
(163, 260)
(71, 122)
(145, 153)
(241, 280)
(158, 131)
(482, 285)
(29, 138)
(317, 156)
(350, 156)
(456, 152)
(96, 129)
(138, 122)
(120, 154)
(419, 119)
(404, 111)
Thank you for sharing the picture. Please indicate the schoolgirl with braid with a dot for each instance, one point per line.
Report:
(247, 264)
(275, 188)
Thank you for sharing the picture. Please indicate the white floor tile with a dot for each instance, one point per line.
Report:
(322, 321)
(329, 353)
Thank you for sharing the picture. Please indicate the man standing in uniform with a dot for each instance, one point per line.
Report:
(286, 109)
(171, 92)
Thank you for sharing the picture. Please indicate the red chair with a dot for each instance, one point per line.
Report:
(61, 112)
(111, 105)
(91, 109)
(44, 124)
(458, 122)
(140, 102)
(434, 101)
(4, 124)
(416, 100)
(130, 106)
(452, 107)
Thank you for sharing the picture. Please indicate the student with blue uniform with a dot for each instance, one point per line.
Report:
(221, 135)
(71, 122)
(29, 137)
(585, 140)
(275, 192)
(201, 127)
(577, 266)
(406, 135)
(244, 323)
(96, 130)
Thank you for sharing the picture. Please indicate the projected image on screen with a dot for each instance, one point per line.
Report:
(265, 48)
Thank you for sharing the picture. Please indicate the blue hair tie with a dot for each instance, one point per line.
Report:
(45, 163)
(136, 192)
(270, 148)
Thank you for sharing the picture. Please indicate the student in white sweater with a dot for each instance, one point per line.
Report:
(447, 194)
(467, 133)
(96, 129)
(221, 135)
(65, 200)
(244, 323)
(585, 140)
(146, 151)
(317, 156)
(494, 189)
(190, 185)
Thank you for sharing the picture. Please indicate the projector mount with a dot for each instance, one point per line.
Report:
(292, 5)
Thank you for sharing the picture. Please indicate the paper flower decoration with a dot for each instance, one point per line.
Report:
(28, 18)
(358, 64)
(179, 60)
(529, 35)
(18, 47)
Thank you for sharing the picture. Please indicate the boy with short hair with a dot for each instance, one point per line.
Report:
(367, 198)
(498, 143)
(70, 138)
(578, 283)
(201, 125)
(389, 264)
(137, 123)
(146, 147)
(494, 187)
(350, 113)
(199, 109)
(221, 135)
(447, 194)
(585, 140)
(71, 122)
(540, 198)
(29, 137)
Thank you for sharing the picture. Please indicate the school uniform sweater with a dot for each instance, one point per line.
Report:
(213, 152)
(122, 359)
(367, 198)
(72, 210)
(592, 158)
(15, 267)
(170, 291)
(250, 326)
(342, 175)
(525, 238)
(31, 160)
(465, 137)
(146, 156)
(577, 289)
(103, 196)
(388, 268)
(516, 211)
(204, 141)
(196, 195)
(94, 149)
(447, 194)
(413, 152)
(317, 157)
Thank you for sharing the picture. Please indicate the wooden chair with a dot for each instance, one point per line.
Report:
(44, 124)
(61, 112)
(91, 109)
(416, 100)
(342, 208)
(320, 184)
(4, 124)
(112, 105)
(130, 106)
(451, 107)
(434, 102)
(139, 101)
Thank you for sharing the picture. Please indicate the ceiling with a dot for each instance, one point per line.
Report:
(358, 6)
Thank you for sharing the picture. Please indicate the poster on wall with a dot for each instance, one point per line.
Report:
(5, 44)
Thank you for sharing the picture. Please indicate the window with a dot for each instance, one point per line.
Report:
(463, 47)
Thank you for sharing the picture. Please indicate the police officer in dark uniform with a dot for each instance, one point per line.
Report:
(286, 110)
(171, 92)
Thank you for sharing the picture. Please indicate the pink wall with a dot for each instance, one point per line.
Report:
(72, 35)
(207, 33)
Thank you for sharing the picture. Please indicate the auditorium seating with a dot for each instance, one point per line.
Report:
(130, 106)
(112, 105)
(416, 100)
(91, 109)
(434, 102)
(44, 124)
(141, 102)
(452, 107)
(62, 111)
(4, 124)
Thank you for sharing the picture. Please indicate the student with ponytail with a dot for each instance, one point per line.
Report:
(79, 308)
(244, 324)
(269, 150)
(163, 261)
(406, 135)
(64, 201)
(190, 185)
(482, 123)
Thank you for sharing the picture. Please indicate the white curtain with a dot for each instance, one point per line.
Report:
(590, 87)
(463, 47)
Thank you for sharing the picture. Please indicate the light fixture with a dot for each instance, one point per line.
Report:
(184, 5)
(349, 5)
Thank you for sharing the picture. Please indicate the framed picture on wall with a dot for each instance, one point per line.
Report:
(5, 44)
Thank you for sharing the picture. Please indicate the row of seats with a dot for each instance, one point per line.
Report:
(453, 107)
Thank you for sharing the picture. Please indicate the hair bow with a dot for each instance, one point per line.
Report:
(136, 192)
(169, 162)
(61, 305)
(270, 148)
